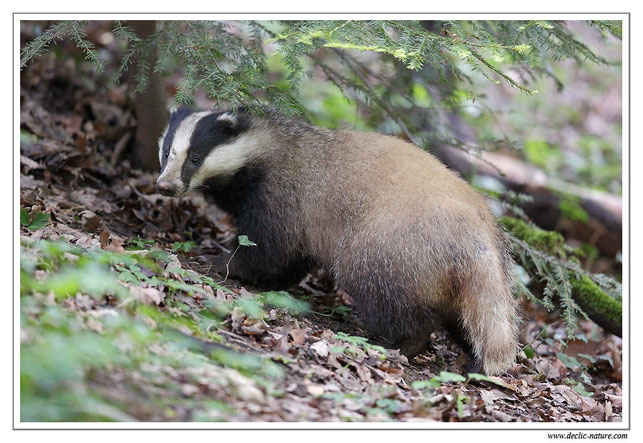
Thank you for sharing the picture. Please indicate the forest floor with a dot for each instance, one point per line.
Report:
(123, 319)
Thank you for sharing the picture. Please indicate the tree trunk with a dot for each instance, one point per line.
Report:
(150, 107)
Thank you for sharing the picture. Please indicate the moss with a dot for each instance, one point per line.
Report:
(547, 241)
(570, 207)
(593, 299)
(603, 309)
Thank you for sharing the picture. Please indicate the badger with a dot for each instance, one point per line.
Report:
(411, 242)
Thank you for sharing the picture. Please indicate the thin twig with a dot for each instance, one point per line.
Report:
(227, 266)
(382, 103)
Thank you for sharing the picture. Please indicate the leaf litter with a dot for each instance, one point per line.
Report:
(149, 334)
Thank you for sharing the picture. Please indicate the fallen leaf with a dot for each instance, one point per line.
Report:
(104, 239)
(146, 295)
(315, 390)
(298, 336)
(320, 347)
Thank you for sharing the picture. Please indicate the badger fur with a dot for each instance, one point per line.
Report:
(410, 241)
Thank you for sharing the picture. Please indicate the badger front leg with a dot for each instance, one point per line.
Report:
(268, 267)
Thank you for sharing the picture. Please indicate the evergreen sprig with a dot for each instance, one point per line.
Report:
(229, 61)
(73, 29)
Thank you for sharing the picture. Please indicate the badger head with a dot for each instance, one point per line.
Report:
(200, 145)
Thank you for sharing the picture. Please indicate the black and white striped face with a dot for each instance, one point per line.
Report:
(199, 145)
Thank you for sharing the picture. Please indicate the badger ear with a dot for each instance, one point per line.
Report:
(233, 124)
(179, 113)
(228, 119)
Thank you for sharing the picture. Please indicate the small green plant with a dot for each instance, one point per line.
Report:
(436, 382)
(461, 401)
(285, 301)
(137, 243)
(495, 380)
(33, 221)
(389, 405)
(568, 360)
(578, 387)
(243, 241)
(361, 342)
(183, 247)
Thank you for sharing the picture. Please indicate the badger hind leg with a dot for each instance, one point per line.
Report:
(460, 337)
(410, 347)
(388, 313)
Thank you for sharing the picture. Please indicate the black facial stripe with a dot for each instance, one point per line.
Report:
(175, 120)
(209, 133)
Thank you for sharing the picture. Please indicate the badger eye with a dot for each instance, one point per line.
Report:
(167, 154)
(195, 160)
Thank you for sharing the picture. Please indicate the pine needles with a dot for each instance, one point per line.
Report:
(228, 60)
(73, 29)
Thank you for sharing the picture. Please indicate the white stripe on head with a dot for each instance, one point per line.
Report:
(161, 140)
(180, 146)
(228, 159)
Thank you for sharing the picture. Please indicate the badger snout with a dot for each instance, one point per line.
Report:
(170, 189)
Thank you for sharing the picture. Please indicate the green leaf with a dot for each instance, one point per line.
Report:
(128, 277)
(158, 254)
(244, 241)
(183, 246)
(529, 351)
(421, 384)
(587, 357)
(27, 138)
(285, 301)
(139, 243)
(462, 399)
(496, 380)
(446, 377)
(390, 405)
(607, 358)
(250, 307)
(567, 360)
(40, 220)
(580, 388)
(586, 378)
(24, 217)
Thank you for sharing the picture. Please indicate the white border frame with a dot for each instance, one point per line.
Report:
(554, 427)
